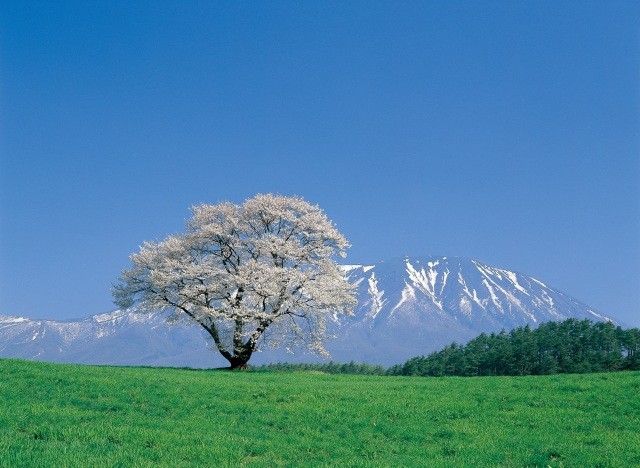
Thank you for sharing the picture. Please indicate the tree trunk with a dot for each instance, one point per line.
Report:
(239, 362)
(242, 353)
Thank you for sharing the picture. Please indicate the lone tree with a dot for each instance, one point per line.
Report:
(260, 273)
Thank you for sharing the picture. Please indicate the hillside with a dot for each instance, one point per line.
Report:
(69, 415)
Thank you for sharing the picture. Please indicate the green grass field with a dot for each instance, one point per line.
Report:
(66, 415)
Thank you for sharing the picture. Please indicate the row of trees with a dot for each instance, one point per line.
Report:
(327, 368)
(572, 346)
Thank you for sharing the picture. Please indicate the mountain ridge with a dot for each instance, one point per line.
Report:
(406, 307)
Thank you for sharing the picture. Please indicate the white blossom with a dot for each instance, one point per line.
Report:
(260, 273)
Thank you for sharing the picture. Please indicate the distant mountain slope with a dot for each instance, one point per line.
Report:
(119, 338)
(406, 307)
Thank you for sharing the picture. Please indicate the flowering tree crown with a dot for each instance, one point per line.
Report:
(239, 270)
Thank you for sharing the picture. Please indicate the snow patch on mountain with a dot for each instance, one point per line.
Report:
(408, 294)
(377, 301)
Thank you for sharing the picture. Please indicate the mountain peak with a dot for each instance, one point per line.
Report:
(464, 288)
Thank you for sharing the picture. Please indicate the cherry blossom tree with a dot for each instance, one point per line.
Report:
(257, 274)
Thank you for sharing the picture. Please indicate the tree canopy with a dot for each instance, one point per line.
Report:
(259, 273)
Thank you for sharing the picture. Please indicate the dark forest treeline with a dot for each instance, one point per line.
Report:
(328, 368)
(572, 346)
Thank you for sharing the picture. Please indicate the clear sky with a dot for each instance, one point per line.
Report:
(507, 132)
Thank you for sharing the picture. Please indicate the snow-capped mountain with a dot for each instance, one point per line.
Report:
(118, 338)
(406, 307)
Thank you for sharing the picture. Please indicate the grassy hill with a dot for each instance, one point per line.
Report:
(67, 415)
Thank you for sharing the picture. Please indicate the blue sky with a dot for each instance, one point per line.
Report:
(507, 132)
